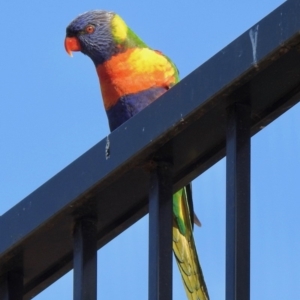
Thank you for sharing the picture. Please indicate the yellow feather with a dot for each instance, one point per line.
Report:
(145, 60)
(119, 28)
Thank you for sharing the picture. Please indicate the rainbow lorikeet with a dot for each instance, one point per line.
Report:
(132, 76)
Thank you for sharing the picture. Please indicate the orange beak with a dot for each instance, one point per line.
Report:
(72, 44)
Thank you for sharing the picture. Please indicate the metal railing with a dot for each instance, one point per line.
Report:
(218, 108)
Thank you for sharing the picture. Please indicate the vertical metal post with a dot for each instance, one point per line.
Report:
(11, 286)
(85, 260)
(160, 233)
(238, 203)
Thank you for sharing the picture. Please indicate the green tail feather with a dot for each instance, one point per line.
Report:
(185, 250)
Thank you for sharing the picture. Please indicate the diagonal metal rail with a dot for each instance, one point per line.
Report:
(260, 68)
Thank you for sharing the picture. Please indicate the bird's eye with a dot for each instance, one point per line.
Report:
(89, 29)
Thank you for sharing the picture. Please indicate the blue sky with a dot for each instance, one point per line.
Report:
(52, 112)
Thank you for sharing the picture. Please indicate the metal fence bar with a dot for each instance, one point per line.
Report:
(238, 203)
(11, 287)
(160, 233)
(85, 260)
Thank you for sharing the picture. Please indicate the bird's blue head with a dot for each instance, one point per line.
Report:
(92, 33)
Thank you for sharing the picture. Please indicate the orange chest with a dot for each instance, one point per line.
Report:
(132, 72)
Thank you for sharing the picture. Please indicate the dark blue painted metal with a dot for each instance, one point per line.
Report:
(238, 203)
(11, 286)
(160, 233)
(85, 260)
